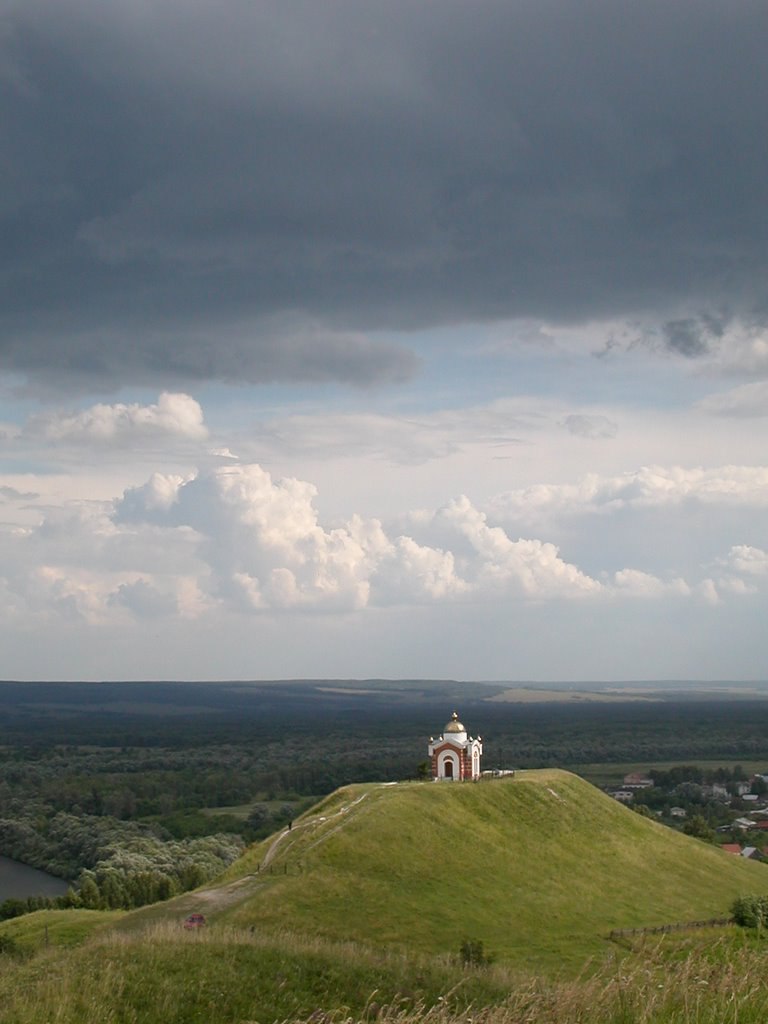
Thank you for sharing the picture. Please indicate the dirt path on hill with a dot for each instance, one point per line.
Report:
(318, 820)
(220, 897)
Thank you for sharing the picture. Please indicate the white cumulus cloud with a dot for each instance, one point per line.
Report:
(636, 583)
(748, 560)
(173, 415)
(748, 400)
(646, 487)
(234, 537)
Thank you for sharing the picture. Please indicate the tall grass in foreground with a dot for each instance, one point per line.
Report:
(238, 978)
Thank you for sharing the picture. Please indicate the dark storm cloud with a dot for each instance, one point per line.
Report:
(687, 336)
(234, 191)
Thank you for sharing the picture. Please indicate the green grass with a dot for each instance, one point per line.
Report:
(164, 976)
(234, 811)
(540, 868)
(218, 977)
(57, 927)
(384, 883)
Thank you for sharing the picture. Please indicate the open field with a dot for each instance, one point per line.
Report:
(610, 774)
(538, 695)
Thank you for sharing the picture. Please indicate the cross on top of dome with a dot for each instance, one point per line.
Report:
(455, 725)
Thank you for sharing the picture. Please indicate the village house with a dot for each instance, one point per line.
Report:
(752, 853)
(716, 791)
(743, 823)
(636, 780)
(624, 796)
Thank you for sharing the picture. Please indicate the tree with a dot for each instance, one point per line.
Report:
(113, 891)
(89, 893)
(750, 911)
(12, 907)
(644, 811)
(698, 827)
(258, 817)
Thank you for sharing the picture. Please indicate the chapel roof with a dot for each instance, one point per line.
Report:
(455, 725)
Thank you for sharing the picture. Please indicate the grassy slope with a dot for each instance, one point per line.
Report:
(57, 927)
(222, 977)
(540, 868)
(167, 976)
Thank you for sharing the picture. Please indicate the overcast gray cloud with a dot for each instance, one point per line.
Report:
(299, 310)
(245, 192)
(11, 494)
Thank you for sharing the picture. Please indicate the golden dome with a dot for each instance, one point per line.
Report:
(455, 725)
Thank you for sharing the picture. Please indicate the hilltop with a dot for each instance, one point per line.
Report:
(540, 868)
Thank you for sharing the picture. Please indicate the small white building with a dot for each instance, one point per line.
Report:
(624, 796)
(455, 756)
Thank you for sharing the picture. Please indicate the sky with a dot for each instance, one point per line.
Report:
(383, 338)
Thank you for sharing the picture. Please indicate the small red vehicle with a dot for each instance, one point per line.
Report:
(194, 921)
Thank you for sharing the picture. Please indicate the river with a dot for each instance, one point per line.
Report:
(19, 881)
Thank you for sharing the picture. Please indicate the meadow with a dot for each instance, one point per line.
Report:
(235, 977)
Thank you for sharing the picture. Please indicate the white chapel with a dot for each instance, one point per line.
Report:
(455, 756)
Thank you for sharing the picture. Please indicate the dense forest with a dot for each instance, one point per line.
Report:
(136, 791)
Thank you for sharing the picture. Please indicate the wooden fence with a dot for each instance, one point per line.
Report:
(679, 926)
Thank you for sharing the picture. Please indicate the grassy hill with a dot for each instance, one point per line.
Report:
(540, 868)
(359, 911)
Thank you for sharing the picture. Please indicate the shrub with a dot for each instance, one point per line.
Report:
(472, 953)
(8, 946)
(750, 911)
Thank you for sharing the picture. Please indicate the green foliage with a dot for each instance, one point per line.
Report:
(698, 828)
(90, 897)
(8, 947)
(13, 907)
(750, 911)
(472, 954)
(644, 811)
